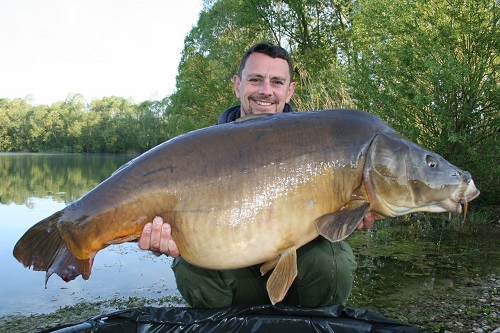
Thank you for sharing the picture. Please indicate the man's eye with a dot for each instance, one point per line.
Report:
(279, 82)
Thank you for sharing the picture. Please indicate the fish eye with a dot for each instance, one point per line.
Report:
(431, 161)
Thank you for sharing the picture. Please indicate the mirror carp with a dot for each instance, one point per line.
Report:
(252, 191)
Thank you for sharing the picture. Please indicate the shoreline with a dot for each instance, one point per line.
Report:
(474, 307)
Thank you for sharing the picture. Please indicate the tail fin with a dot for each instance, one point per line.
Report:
(43, 249)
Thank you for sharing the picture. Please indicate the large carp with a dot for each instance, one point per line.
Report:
(252, 191)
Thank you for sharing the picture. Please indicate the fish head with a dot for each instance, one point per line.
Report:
(402, 177)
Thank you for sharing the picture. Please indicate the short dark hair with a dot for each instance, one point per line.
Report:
(274, 51)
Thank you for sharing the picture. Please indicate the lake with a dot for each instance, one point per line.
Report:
(34, 186)
(398, 260)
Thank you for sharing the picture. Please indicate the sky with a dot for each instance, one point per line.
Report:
(50, 49)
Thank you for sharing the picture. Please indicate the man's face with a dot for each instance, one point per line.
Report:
(264, 86)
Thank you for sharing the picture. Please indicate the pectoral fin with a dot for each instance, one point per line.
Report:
(285, 271)
(337, 226)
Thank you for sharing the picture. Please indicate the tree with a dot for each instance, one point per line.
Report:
(110, 126)
(432, 70)
(68, 117)
(311, 30)
(6, 126)
(210, 58)
(151, 124)
(12, 127)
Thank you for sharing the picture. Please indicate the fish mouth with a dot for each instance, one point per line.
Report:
(462, 196)
(465, 192)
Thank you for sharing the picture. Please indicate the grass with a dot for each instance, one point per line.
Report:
(79, 313)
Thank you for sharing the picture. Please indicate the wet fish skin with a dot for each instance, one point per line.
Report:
(252, 192)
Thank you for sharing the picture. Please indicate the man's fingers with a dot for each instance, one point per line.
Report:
(367, 222)
(157, 237)
(145, 237)
(154, 243)
(164, 239)
(360, 225)
(174, 251)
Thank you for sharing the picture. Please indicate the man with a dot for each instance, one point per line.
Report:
(325, 270)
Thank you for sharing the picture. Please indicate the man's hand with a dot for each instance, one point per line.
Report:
(157, 237)
(367, 222)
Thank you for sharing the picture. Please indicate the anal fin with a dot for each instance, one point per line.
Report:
(285, 271)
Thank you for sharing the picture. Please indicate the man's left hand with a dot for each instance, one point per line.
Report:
(367, 222)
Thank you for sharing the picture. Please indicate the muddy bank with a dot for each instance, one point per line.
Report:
(474, 307)
(79, 312)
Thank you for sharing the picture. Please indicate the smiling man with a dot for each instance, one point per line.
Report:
(325, 270)
(263, 83)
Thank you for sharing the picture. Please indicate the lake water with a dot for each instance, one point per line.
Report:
(398, 261)
(34, 186)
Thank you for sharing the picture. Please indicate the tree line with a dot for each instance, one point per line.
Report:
(107, 125)
(431, 69)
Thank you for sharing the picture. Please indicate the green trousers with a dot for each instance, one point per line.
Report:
(325, 277)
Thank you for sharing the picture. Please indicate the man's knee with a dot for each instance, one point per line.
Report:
(201, 288)
(325, 273)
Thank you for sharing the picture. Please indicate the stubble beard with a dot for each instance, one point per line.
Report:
(266, 100)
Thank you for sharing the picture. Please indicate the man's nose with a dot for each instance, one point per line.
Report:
(266, 88)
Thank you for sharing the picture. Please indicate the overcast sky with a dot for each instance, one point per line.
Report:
(125, 48)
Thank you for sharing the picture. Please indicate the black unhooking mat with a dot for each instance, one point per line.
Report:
(261, 318)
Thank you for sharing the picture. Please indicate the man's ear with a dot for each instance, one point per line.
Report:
(236, 85)
(290, 92)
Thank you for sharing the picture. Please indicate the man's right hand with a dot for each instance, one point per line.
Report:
(157, 237)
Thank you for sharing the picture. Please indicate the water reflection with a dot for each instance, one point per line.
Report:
(34, 186)
(63, 177)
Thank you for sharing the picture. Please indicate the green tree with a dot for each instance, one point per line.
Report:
(211, 56)
(12, 126)
(65, 122)
(109, 124)
(432, 69)
(151, 124)
(37, 135)
(113, 124)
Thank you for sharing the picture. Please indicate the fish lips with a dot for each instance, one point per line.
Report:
(464, 193)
